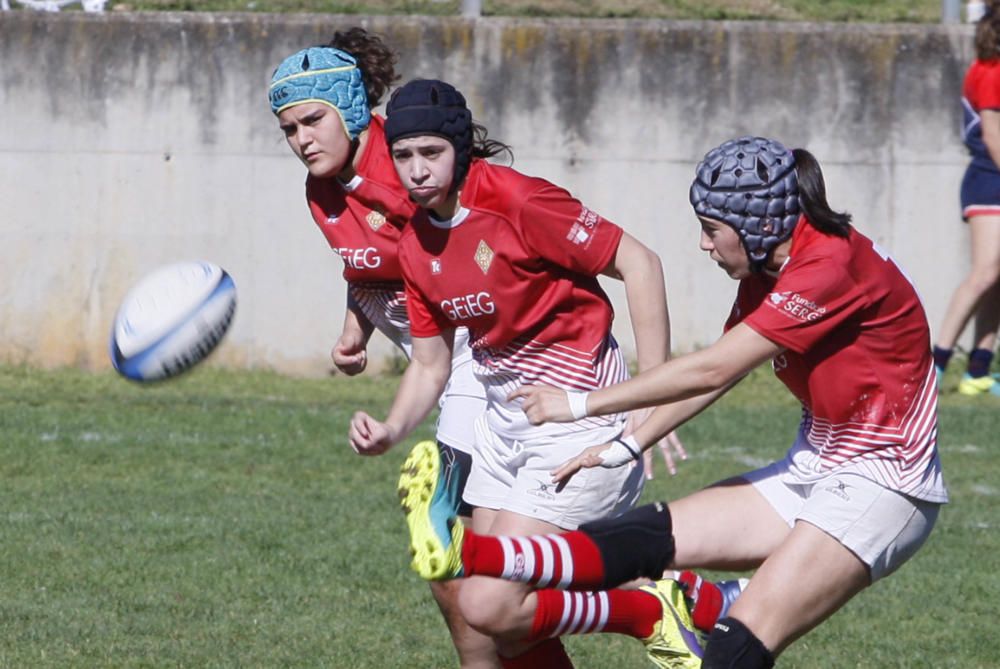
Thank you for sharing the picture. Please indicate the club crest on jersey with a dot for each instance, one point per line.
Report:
(435, 265)
(484, 256)
(375, 219)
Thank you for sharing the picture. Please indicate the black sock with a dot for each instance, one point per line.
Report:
(732, 645)
(637, 543)
(979, 362)
(942, 356)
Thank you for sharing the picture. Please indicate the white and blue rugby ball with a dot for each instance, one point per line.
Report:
(171, 320)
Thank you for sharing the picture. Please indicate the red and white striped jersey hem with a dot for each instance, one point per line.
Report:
(902, 457)
(383, 303)
(528, 362)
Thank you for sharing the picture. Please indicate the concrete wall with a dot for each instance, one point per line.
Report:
(132, 140)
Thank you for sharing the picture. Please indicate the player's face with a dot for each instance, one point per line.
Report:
(316, 135)
(426, 166)
(724, 247)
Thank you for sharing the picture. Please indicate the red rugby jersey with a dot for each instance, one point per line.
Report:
(858, 358)
(362, 222)
(517, 266)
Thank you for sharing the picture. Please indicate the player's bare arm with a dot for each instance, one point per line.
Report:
(418, 393)
(662, 421)
(350, 353)
(716, 367)
(642, 273)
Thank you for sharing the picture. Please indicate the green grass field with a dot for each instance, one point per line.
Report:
(220, 520)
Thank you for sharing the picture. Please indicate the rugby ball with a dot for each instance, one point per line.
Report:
(171, 320)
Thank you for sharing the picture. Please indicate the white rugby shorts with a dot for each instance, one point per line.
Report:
(516, 475)
(883, 527)
(463, 400)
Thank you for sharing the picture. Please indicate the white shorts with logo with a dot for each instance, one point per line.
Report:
(516, 475)
(883, 527)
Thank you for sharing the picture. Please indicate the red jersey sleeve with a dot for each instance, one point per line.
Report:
(983, 90)
(807, 303)
(562, 230)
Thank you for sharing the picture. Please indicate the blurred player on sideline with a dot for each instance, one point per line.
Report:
(855, 497)
(323, 97)
(515, 260)
(979, 293)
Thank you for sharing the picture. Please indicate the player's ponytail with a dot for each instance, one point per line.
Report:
(376, 61)
(812, 197)
(485, 147)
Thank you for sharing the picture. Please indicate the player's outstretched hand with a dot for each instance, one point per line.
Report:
(665, 445)
(368, 436)
(543, 404)
(595, 456)
(349, 354)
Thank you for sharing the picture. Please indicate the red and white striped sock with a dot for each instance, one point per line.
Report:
(631, 612)
(569, 561)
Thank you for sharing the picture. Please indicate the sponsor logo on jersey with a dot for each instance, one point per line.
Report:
(472, 305)
(795, 306)
(366, 258)
(435, 265)
(375, 219)
(582, 230)
(484, 256)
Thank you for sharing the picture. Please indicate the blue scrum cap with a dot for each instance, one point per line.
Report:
(432, 107)
(750, 184)
(327, 75)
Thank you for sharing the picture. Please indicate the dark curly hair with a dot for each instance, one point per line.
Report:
(487, 147)
(376, 60)
(988, 32)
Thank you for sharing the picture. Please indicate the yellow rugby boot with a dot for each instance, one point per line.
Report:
(674, 643)
(981, 385)
(430, 503)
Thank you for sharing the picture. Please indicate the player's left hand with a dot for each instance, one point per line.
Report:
(589, 457)
(543, 404)
(368, 436)
(665, 445)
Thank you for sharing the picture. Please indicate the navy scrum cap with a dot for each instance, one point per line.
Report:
(432, 107)
(750, 184)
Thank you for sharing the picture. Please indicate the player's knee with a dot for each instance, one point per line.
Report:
(488, 607)
(639, 543)
(982, 278)
(732, 645)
